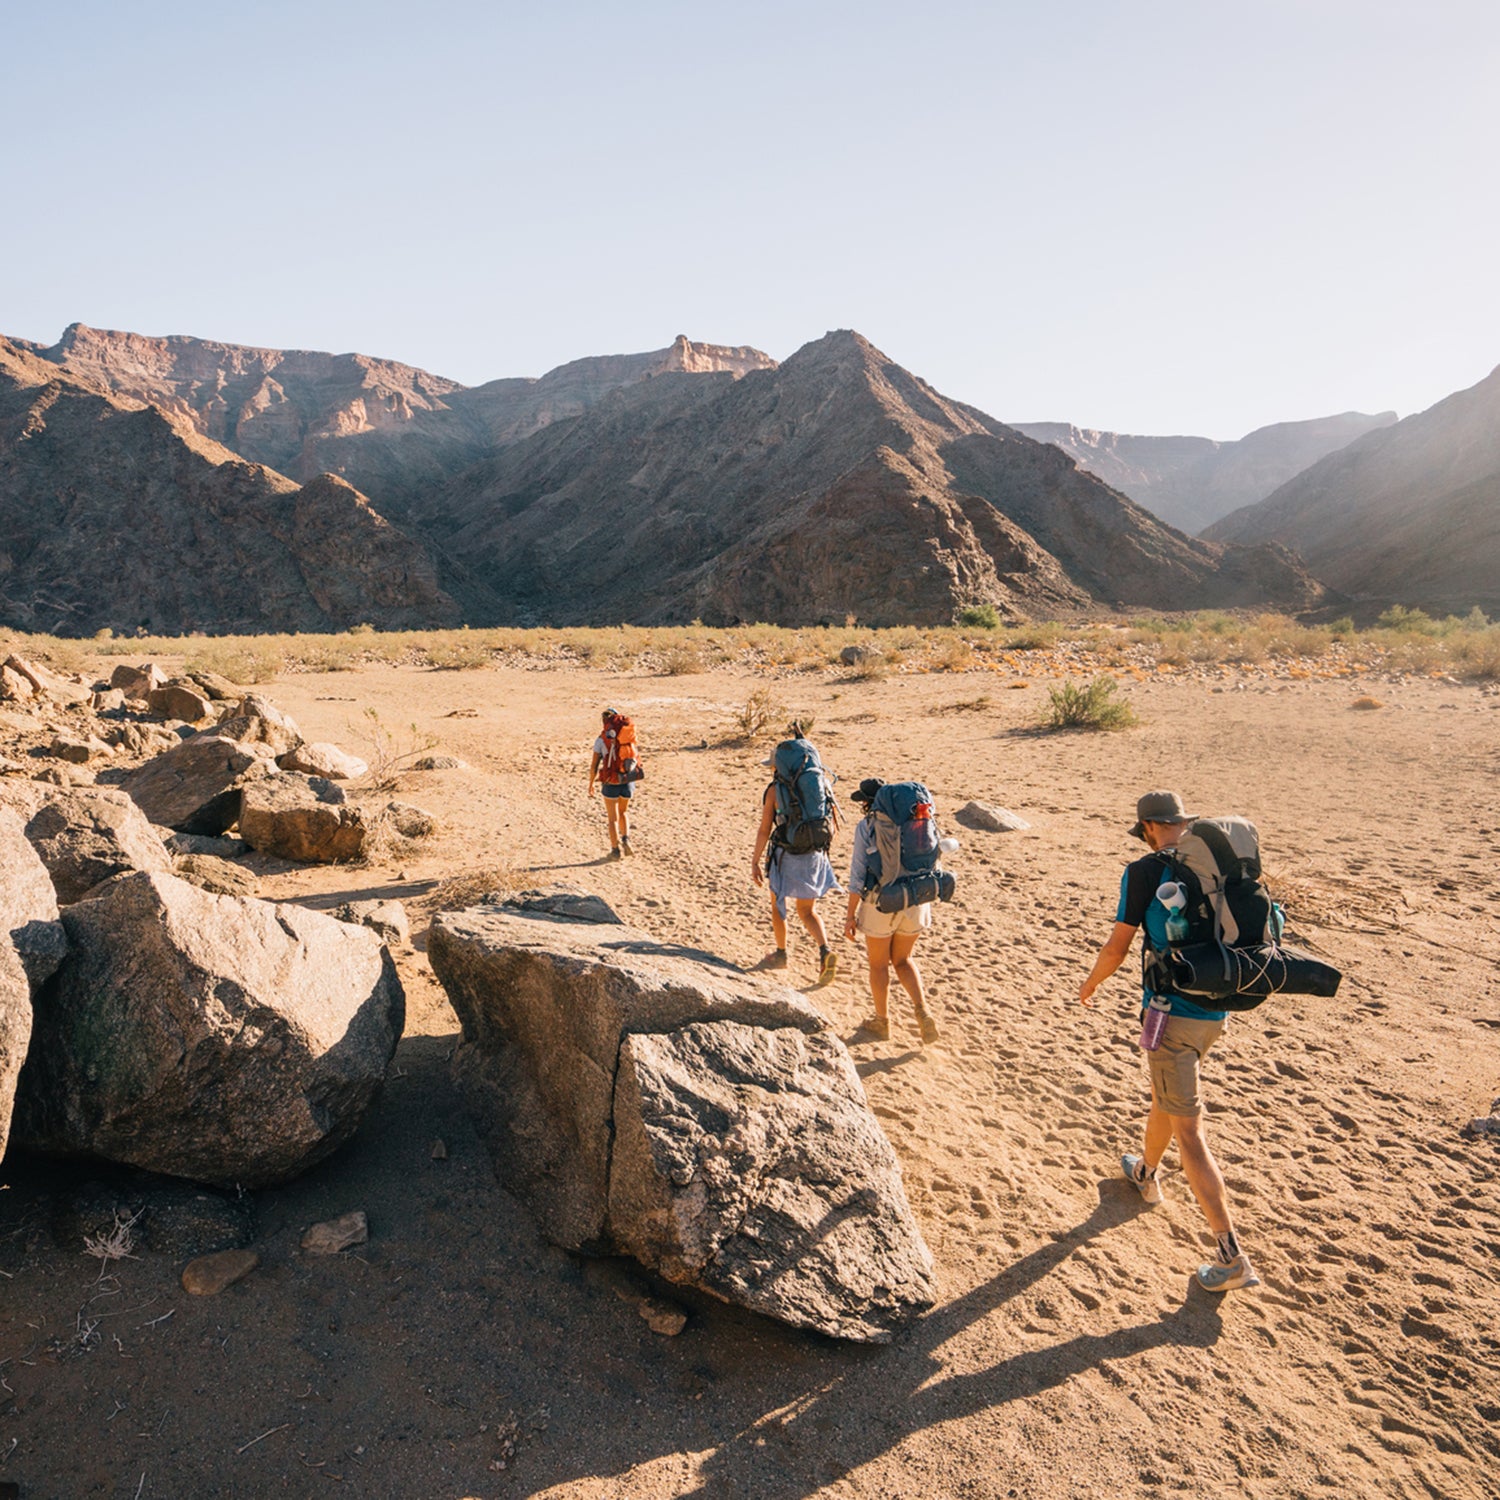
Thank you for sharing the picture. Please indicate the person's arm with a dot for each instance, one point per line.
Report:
(594, 771)
(762, 834)
(858, 869)
(1111, 956)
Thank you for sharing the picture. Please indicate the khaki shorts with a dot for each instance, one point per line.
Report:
(1174, 1064)
(873, 922)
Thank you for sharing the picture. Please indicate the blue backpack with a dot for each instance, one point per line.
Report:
(804, 801)
(906, 839)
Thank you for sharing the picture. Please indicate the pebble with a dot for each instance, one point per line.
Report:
(210, 1274)
(439, 1151)
(333, 1235)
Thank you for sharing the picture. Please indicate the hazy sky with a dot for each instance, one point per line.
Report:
(1154, 217)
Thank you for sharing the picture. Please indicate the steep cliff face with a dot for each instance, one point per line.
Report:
(1190, 482)
(388, 428)
(1409, 514)
(122, 515)
(838, 483)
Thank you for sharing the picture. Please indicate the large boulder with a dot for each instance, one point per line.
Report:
(303, 818)
(15, 1030)
(28, 904)
(195, 787)
(324, 760)
(642, 1097)
(226, 1040)
(137, 682)
(88, 835)
(257, 721)
(180, 699)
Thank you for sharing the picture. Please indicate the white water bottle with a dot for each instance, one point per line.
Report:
(1154, 1023)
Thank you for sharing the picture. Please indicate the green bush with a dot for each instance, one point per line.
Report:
(978, 617)
(1099, 705)
(1407, 621)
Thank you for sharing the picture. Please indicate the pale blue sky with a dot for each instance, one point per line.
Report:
(1184, 216)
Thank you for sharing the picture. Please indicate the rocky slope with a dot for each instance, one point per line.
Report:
(386, 427)
(1409, 514)
(1191, 482)
(836, 484)
(119, 514)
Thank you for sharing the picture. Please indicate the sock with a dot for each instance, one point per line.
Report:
(823, 953)
(1141, 1174)
(1229, 1247)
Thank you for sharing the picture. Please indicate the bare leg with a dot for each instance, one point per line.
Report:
(778, 925)
(1159, 1131)
(613, 807)
(907, 972)
(807, 909)
(879, 951)
(1202, 1171)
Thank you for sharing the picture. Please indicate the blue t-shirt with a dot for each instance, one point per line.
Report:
(1140, 908)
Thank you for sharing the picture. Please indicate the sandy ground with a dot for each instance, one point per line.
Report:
(1070, 1355)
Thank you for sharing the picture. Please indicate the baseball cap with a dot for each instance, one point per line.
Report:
(1159, 807)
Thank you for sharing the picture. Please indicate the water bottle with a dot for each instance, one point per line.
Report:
(947, 845)
(1174, 898)
(1154, 1023)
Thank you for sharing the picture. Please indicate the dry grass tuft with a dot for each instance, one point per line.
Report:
(1367, 702)
(459, 892)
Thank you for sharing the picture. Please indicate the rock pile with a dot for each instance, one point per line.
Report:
(654, 1100)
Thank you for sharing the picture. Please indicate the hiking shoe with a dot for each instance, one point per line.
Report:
(1217, 1277)
(1149, 1188)
(927, 1026)
(625, 847)
(614, 853)
(878, 1027)
(829, 966)
(776, 960)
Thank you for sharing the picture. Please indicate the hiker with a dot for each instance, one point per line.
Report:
(615, 766)
(890, 937)
(797, 818)
(1191, 1029)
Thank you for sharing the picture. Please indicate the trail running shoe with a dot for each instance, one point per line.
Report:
(613, 853)
(1148, 1187)
(1214, 1277)
(777, 960)
(625, 847)
(928, 1027)
(829, 966)
(878, 1027)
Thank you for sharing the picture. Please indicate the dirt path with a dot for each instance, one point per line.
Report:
(1069, 1356)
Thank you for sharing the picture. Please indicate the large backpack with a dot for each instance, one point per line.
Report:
(618, 760)
(906, 866)
(1232, 954)
(804, 799)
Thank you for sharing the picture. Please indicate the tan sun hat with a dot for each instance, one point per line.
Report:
(1159, 807)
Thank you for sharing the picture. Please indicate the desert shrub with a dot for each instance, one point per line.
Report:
(1097, 705)
(468, 888)
(457, 654)
(682, 661)
(873, 666)
(978, 617)
(953, 655)
(239, 659)
(1477, 654)
(1366, 703)
(1407, 621)
(389, 751)
(761, 712)
(1343, 626)
(1036, 636)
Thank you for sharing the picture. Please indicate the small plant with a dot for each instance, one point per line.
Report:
(682, 661)
(1099, 705)
(1407, 621)
(1366, 702)
(978, 617)
(954, 655)
(115, 1243)
(762, 709)
(391, 753)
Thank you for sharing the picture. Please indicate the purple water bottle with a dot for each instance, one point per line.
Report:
(1154, 1023)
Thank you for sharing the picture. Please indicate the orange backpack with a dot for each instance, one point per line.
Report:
(619, 751)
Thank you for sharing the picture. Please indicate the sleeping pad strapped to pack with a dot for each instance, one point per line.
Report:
(1232, 954)
(906, 841)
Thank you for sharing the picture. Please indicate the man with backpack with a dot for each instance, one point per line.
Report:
(1192, 1027)
(616, 767)
(797, 819)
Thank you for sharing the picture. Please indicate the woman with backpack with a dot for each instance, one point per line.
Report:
(616, 767)
(797, 817)
(890, 937)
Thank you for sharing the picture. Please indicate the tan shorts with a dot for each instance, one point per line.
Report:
(1174, 1064)
(873, 922)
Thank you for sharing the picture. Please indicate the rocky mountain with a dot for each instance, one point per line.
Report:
(122, 514)
(388, 428)
(835, 484)
(1191, 482)
(1409, 514)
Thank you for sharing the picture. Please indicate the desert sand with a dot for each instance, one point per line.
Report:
(456, 1354)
